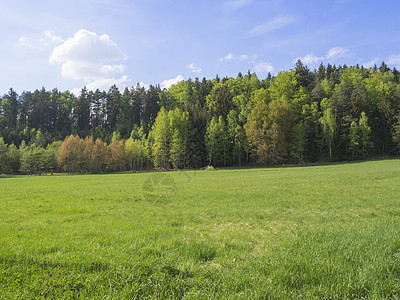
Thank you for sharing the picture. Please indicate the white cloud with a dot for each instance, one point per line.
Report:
(111, 69)
(143, 85)
(194, 69)
(106, 83)
(89, 71)
(91, 58)
(103, 84)
(243, 57)
(85, 56)
(309, 59)
(26, 42)
(166, 84)
(250, 58)
(236, 4)
(33, 43)
(270, 26)
(263, 68)
(371, 63)
(50, 34)
(393, 60)
(40, 42)
(337, 52)
(333, 53)
(227, 58)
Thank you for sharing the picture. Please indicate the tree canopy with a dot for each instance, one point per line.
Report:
(299, 115)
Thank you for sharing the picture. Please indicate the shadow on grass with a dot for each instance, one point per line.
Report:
(308, 164)
(243, 167)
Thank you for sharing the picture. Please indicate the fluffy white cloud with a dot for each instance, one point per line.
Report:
(166, 84)
(309, 59)
(194, 69)
(89, 71)
(263, 68)
(103, 84)
(270, 26)
(337, 52)
(89, 57)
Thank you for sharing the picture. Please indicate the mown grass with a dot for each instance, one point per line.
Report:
(282, 233)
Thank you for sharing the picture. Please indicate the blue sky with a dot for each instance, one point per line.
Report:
(95, 43)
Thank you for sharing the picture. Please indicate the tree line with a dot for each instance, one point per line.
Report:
(299, 115)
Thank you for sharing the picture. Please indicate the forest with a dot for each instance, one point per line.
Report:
(299, 115)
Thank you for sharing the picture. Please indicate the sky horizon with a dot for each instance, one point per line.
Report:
(97, 43)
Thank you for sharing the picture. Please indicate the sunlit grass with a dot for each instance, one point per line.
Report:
(312, 232)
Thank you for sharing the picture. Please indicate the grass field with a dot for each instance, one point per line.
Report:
(318, 232)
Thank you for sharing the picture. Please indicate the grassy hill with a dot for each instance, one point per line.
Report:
(328, 231)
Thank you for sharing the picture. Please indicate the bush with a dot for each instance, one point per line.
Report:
(209, 168)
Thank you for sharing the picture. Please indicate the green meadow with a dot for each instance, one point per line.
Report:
(318, 232)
